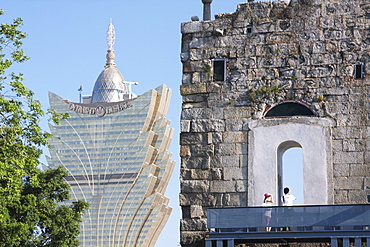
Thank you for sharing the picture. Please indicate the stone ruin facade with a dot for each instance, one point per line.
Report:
(268, 77)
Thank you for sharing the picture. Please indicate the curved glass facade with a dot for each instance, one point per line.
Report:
(118, 160)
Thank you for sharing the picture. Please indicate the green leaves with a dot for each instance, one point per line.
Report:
(30, 210)
(56, 117)
(57, 225)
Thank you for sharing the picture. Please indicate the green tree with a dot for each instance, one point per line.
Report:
(31, 213)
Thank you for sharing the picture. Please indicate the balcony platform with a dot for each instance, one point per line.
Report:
(339, 225)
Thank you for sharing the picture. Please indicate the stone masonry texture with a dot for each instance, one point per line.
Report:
(302, 51)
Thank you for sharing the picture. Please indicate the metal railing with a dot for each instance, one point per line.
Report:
(301, 218)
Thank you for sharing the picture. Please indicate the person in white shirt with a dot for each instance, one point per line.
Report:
(288, 201)
(288, 198)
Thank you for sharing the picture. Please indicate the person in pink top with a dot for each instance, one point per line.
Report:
(267, 202)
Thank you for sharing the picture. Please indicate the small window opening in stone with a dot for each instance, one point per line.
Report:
(289, 109)
(219, 69)
(249, 30)
(359, 70)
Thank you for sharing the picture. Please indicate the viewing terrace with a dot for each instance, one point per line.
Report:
(338, 225)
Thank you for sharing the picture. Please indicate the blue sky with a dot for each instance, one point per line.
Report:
(67, 45)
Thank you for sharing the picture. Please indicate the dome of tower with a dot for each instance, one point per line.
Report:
(109, 87)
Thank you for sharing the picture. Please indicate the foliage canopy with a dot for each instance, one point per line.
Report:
(30, 209)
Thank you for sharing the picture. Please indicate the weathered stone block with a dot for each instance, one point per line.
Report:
(216, 161)
(214, 89)
(216, 137)
(184, 151)
(346, 45)
(337, 145)
(264, 27)
(194, 162)
(270, 62)
(341, 196)
(304, 72)
(226, 149)
(350, 58)
(194, 98)
(185, 174)
(308, 35)
(199, 174)
(220, 186)
(348, 157)
(266, 50)
(235, 136)
(196, 78)
(202, 42)
(191, 27)
(358, 196)
(196, 211)
(321, 59)
(338, 108)
(234, 124)
(242, 186)
(218, 113)
(246, 63)
(204, 199)
(359, 170)
(196, 113)
(192, 138)
(237, 112)
(235, 173)
(346, 132)
(211, 125)
(193, 88)
(349, 120)
(354, 145)
(285, 25)
(341, 170)
(230, 161)
(198, 54)
(318, 47)
(322, 71)
(234, 200)
(192, 238)
(348, 183)
(216, 174)
(195, 186)
(259, 12)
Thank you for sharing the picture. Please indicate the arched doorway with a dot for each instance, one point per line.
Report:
(290, 173)
(269, 139)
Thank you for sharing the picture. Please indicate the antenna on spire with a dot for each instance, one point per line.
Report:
(111, 36)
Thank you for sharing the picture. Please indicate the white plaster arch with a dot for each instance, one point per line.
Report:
(282, 148)
(270, 138)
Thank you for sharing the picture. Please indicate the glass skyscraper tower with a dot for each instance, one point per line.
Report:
(115, 147)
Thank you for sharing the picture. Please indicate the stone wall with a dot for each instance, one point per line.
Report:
(303, 52)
